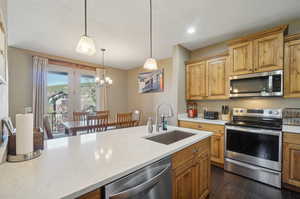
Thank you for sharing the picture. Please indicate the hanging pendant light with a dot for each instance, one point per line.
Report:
(103, 81)
(86, 44)
(150, 63)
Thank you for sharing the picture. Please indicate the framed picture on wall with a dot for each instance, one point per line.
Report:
(150, 82)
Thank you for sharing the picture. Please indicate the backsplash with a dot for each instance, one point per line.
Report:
(270, 102)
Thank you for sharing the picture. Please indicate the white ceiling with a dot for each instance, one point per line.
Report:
(121, 26)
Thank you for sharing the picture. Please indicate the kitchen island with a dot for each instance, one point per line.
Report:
(72, 166)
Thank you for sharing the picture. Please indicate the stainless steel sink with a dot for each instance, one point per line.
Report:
(170, 137)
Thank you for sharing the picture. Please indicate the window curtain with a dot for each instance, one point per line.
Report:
(103, 103)
(39, 90)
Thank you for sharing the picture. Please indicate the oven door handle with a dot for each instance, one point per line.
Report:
(141, 187)
(254, 130)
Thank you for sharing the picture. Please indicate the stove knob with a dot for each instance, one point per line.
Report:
(270, 112)
(276, 112)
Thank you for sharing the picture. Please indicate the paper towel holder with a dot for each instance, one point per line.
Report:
(24, 157)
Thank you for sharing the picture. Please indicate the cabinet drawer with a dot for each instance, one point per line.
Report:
(292, 138)
(185, 155)
(202, 126)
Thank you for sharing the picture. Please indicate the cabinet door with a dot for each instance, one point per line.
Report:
(292, 69)
(202, 175)
(196, 81)
(183, 182)
(217, 78)
(291, 164)
(241, 60)
(217, 148)
(268, 53)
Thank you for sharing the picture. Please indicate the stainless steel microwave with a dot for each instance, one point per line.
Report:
(258, 84)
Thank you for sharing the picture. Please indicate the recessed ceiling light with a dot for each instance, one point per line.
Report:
(191, 30)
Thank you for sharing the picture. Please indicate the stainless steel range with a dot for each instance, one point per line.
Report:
(253, 144)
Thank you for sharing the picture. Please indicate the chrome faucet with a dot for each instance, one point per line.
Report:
(159, 116)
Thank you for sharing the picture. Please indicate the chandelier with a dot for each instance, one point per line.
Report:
(103, 80)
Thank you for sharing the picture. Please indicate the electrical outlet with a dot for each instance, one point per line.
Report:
(28, 109)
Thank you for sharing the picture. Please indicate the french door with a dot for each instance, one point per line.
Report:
(70, 90)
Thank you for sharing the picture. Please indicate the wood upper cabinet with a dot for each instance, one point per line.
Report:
(259, 52)
(292, 69)
(207, 79)
(217, 78)
(241, 61)
(196, 81)
(191, 171)
(268, 53)
(291, 159)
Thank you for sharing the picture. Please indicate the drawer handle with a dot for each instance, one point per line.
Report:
(195, 150)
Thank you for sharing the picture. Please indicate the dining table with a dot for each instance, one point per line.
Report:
(72, 127)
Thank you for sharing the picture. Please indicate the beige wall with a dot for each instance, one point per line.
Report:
(20, 81)
(294, 27)
(180, 55)
(147, 102)
(20, 93)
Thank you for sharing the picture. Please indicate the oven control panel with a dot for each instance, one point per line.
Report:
(271, 113)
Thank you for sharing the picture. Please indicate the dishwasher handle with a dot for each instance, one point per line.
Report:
(141, 187)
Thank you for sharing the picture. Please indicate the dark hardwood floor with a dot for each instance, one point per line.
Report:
(230, 186)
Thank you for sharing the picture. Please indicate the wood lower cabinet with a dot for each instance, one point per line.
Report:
(203, 172)
(191, 171)
(183, 181)
(217, 139)
(92, 195)
(291, 159)
(292, 69)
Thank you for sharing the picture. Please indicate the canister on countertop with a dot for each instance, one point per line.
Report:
(192, 110)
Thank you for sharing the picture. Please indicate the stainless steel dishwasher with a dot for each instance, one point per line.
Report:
(151, 182)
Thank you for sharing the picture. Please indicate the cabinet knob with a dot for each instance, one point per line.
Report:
(199, 126)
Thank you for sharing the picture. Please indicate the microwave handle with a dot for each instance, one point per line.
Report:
(270, 84)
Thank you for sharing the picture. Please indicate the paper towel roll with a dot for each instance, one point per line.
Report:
(24, 133)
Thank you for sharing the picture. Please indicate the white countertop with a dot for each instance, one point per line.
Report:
(72, 166)
(291, 129)
(184, 117)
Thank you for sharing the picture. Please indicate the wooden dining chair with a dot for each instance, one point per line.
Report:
(80, 116)
(124, 120)
(48, 129)
(136, 116)
(102, 113)
(97, 123)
